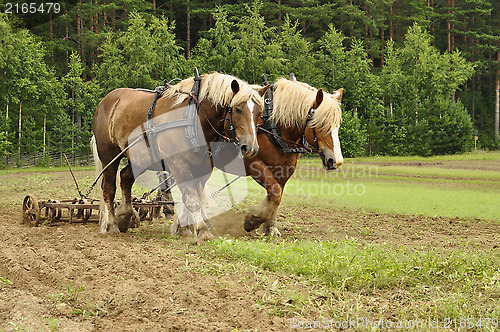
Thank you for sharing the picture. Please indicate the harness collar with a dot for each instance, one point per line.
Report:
(272, 129)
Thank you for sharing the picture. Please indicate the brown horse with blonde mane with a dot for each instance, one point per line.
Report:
(121, 129)
(299, 110)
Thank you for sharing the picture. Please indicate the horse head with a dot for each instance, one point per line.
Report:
(241, 116)
(322, 130)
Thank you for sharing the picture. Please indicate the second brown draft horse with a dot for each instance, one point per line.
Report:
(299, 110)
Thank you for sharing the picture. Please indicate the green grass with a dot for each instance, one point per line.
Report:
(445, 284)
(45, 169)
(429, 191)
(490, 155)
(350, 265)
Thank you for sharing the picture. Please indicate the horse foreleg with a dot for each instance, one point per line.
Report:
(124, 209)
(191, 215)
(205, 199)
(107, 207)
(266, 212)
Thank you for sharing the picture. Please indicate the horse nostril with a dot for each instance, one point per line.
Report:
(331, 163)
(244, 149)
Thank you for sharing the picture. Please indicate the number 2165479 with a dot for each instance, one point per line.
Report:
(32, 8)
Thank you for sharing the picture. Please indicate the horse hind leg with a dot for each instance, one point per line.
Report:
(124, 210)
(107, 206)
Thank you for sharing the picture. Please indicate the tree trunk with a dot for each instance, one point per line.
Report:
(51, 29)
(19, 128)
(453, 26)
(279, 14)
(73, 131)
(7, 118)
(78, 27)
(171, 17)
(391, 32)
(44, 134)
(448, 27)
(497, 98)
(382, 47)
(188, 12)
(473, 101)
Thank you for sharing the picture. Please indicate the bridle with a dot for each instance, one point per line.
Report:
(310, 115)
(228, 116)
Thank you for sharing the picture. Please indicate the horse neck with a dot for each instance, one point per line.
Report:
(211, 117)
(292, 133)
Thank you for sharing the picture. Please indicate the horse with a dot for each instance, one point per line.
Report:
(166, 141)
(300, 111)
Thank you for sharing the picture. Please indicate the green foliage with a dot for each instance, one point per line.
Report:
(217, 52)
(251, 46)
(80, 105)
(353, 136)
(405, 92)
(423, 117)
(350, 68)
(140, 57)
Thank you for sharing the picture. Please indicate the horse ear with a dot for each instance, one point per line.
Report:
(235, 86)
(319, 98)
(263, 90)
(338, 94)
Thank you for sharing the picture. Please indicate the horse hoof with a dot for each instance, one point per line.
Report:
(251, 222)
(205, 235)
(124, 226)
(135, 221)
(274, 232)
(180, 231)
(113, 229)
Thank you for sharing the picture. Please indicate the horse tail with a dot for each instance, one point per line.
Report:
(97, 160)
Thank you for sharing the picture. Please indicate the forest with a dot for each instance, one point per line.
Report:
(419, 76)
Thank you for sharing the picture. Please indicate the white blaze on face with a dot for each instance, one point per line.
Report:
(251, 106)
(337, 151)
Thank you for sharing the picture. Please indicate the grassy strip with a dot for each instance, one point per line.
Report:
(428, 191)
(312, 168)
(45, 169)
(490, 155)
(349, 265)
(384, 197)
(455, 284)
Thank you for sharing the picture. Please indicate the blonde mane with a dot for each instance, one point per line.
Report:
(215, 87)
(293, 100)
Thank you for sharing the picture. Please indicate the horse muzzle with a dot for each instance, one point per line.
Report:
(328, 162)
(248, 150)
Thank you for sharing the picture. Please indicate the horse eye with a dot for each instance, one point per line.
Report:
(237, 110)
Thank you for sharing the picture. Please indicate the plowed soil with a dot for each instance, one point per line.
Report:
(69, 277)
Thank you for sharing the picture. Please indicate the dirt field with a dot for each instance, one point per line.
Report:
(68, 277)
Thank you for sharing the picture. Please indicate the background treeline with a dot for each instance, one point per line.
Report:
(418, 76)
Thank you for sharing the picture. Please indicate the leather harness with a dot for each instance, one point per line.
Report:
(272, 129)
(189, 121)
